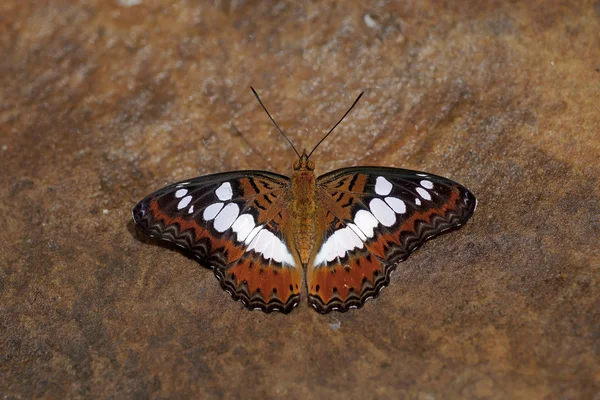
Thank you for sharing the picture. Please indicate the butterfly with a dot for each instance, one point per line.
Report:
(338, 237)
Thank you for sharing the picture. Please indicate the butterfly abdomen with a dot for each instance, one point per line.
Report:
(303, 212)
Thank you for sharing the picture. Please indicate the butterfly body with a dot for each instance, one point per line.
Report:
(304, 207)
(338, 236)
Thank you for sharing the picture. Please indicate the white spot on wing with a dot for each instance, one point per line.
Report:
(327, 252)
(271, 248)
(224, 192)
(252, 234)
(366, 222)
(358, 232)
(183, 203)
(287, 256)
(267, 252)
(341, 242)
(226, 217)
(425, 175)
(211, 211)
(262, 240)
(180, 193)
(351, 239)
(383, 187)
(277, 251)
(418, 202)
(382, 212)
(281, 253)
(243, 226)
(423, 193)
(427, 184)
(340, 245)
(397, 205)
(191, 210)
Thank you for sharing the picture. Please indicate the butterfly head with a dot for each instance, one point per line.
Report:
(303, 163)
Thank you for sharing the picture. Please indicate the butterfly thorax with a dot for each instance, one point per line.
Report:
(303, 206)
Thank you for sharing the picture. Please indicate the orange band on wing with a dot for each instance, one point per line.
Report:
(270, 281)
(345, 284)
(260, 285)
(228, 246)
(409, 224)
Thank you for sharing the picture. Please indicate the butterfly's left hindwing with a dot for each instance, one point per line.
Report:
(374, 218)
(232, 223)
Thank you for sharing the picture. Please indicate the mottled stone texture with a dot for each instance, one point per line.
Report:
(102, 102)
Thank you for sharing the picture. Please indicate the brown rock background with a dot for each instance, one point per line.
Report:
(102, 102)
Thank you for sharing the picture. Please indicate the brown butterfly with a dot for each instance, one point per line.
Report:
(339, 236)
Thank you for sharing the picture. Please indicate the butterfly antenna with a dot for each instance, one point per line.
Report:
(341, 119)
(280, 131)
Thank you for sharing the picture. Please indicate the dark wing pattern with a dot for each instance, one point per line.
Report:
(375, 218)
(231, 223)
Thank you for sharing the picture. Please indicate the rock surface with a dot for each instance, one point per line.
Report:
(102, 102)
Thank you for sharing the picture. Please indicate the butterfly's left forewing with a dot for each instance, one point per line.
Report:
(232, 223)
(373, 218)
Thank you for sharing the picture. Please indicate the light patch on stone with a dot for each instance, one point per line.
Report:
(371, 22)
(129, 3)
(335, 325)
